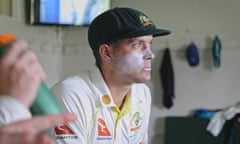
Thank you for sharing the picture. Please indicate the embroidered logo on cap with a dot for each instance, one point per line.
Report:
(102, 128)
(145, 20)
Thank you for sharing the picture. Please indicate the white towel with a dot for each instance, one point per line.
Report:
(218, 120)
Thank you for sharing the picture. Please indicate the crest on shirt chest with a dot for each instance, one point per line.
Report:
(136, 121)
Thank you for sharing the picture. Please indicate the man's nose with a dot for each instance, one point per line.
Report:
(148, 54)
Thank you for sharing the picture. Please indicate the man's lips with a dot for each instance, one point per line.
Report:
(147, 68)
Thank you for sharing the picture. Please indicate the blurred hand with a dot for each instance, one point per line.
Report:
(30, 131)
(20, 73)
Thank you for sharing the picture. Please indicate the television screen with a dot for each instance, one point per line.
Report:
(66, 12)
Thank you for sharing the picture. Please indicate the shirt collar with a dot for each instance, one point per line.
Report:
(105, 97)
(103, 92)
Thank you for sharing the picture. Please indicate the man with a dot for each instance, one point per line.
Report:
(111, 102)
(20, 75)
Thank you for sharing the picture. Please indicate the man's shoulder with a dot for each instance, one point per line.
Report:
(77, 87)
(141, 89)
(73, 80)
(84, 78)
(80, 81)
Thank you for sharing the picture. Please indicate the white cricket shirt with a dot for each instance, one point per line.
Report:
(99, 120)
(12, 110)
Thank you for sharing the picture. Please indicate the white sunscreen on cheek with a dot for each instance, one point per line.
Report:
(132, 62)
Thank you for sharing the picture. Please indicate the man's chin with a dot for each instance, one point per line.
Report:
(144, 79)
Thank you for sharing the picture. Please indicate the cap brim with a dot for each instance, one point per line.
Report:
(161, 32)
(154, 32)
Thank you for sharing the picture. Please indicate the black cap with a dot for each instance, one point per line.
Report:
(121, 23)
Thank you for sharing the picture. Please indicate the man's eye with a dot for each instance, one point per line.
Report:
(137, 45)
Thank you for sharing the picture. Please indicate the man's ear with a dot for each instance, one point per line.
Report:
(105, 52)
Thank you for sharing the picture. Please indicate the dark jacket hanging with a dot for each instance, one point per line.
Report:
(167, 79)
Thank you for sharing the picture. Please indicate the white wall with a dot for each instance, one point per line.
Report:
(65, 51)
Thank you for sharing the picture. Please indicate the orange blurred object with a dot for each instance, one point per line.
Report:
(6, 38)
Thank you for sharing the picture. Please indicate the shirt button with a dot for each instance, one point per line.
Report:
(106, 99)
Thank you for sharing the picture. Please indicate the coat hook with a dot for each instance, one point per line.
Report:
(190, 34)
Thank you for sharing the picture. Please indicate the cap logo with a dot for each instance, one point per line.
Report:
(145, 20)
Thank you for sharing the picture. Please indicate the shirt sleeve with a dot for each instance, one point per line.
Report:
(75, 132)
(12, 110)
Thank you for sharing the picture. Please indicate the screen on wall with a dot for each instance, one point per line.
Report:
(66, 12)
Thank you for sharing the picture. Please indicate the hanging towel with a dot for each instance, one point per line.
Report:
(167, 79)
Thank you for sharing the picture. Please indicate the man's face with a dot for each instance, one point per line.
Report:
(132, 59)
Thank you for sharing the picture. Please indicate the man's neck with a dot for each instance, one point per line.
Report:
(117, 87)
(119, 94)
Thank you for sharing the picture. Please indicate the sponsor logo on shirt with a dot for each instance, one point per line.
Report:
(135, 122)
(62, 131)
(103, 132)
